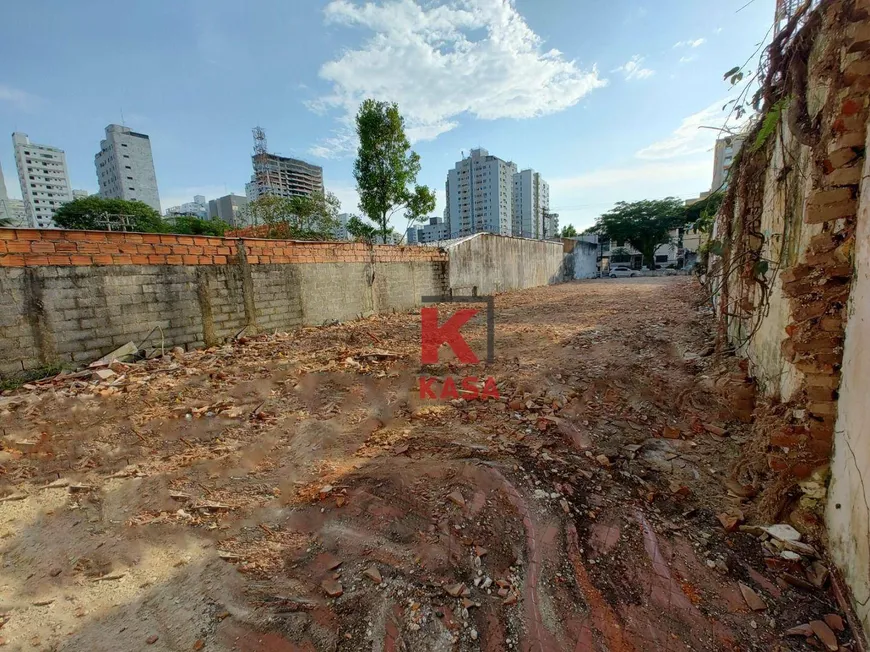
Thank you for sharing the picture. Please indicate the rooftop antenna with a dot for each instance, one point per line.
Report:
(261, 151)
(123, 124)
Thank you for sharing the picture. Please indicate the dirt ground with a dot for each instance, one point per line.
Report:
(292, 492)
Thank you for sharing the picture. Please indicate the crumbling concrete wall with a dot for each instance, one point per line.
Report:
(791, 285)
(848, 509)
(487, 264)
(788, 232)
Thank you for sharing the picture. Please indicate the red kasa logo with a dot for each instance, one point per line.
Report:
(434, 335)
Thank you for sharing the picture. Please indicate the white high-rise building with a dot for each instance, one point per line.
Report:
(196, 208)
(125, 167)
(531, 205)
(44, 180)
(479, 195)
(723, 157)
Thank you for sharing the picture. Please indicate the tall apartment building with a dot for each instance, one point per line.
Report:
(231, 209)
(479, 195)
(723, 157)
(282, 177)
(437, 230)
(44, 180)
(531, 205)
(125, 167)
(551, 226)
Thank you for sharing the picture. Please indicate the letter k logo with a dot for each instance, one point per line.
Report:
(433, 335)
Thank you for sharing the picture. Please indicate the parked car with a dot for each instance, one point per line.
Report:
(619, 271)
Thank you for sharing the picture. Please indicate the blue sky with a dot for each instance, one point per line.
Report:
(603, 98)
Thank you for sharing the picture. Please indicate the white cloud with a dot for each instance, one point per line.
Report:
(649, 173)
(633, 69)
(696, 133)
(20, 99)
(690, 43)
(687, 59)
(441, 61)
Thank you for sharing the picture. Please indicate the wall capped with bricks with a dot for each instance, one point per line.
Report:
(72, 296)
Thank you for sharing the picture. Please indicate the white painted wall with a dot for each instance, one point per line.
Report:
(848, 510)
(493, 263)
(585, 260)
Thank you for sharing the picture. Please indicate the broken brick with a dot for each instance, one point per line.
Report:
(823, 408)
(835, 622)
(817, 214)
(752, 598)
(332, 588)
(836, 195)
(456, 498)
(839, 158)
(826, 636)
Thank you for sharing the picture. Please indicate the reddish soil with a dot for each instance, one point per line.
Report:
(212, 499)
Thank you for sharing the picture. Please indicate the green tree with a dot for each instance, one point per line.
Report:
(386, 168)
(305, 217)
(191, 225)
(362, 231)
(645, 225)
(569, 231)
(99, 214)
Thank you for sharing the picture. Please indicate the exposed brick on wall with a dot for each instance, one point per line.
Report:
(808, 216)
(42, 247)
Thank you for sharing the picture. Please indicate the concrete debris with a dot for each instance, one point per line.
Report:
(121, 354)
(456, 498)
(783, 532)
(373, 574)
(104, 374)
(817, 574)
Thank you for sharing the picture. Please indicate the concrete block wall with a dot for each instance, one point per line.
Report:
(488, 264)
(73, 296)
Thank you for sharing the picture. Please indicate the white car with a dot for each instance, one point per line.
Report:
(616, 272)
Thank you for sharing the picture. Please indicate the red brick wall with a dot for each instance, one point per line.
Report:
(39, 247)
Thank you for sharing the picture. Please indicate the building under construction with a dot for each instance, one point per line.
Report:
(280, 176)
